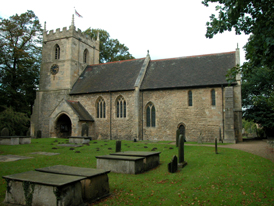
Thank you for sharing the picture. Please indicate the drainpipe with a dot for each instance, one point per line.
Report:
(223, 111)
(110, 111)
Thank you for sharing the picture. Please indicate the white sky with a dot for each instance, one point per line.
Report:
(167, 29)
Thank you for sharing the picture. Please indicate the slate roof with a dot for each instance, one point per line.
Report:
(80, 111)
(193, 71)
(113, 76)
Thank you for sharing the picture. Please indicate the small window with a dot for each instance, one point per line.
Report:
(101, 108)
(150, 115)
(121, 107)
(85, 56)
(57, 51)
(213, 98)
(189, 98)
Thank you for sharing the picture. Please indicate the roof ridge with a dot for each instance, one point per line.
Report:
(193, 56)
(117, 61)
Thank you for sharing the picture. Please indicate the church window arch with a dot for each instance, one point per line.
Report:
(121, 107)
(57, 51)
(150, 115)
(101, 108)
(190, 98)
(85, 56)
(213, 97)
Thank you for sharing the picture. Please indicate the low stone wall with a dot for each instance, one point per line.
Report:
(14, 140)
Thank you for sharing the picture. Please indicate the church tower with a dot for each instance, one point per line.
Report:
(65, 55)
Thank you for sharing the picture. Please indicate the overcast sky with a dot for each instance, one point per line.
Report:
(170, 28)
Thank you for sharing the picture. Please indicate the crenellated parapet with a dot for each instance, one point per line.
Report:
(67, 33)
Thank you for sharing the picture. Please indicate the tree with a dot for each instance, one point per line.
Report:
(257, 19)
(20, 58)
(110, 49)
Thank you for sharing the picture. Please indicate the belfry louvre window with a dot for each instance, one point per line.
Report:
(57, 51)
(101, 108)
(213, 97)
(189, 98)
(85, 56)
(151, 115)
(121, 110)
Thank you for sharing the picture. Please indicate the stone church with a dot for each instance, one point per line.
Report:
(139, 99)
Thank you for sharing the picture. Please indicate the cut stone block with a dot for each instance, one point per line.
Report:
(95, 185)
(79, 140)
(14, 140)
(121, 164)
(39, 188)
(152, 159)
(11, 158)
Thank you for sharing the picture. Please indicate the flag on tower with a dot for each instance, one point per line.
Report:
(79, 15)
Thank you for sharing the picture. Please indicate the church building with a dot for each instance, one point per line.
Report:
(140, 99)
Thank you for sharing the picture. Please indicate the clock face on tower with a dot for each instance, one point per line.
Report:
(54, 69)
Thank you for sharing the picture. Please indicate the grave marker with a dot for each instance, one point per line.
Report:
(173, 165)
(181, 154)
(118, 146)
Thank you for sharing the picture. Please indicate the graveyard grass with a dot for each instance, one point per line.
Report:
(232, 177)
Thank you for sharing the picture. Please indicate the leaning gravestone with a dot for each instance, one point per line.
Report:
(181, 151)
(177, 137)
(200, 139)
(85, 130)
(118, 146)
(173, 165)
(5, 132)
(220, 135)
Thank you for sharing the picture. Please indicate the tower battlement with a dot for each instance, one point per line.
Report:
(66, 33)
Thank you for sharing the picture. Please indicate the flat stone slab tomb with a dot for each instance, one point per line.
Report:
(40, 188)
(121, 164)
(152, 159)
(14, 140)
(80, 140)
(95, 184)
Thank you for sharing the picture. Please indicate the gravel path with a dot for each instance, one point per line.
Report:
(257, 147)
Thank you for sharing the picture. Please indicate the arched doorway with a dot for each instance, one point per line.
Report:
(63, 126)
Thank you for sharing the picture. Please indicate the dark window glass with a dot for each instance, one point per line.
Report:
(213, 100)
(57, 51)
(190, 98)
(153, 116)
(118, 109)
(101, 109)
(125, 109)
(148, 116)
(104, 110)
(98, 109)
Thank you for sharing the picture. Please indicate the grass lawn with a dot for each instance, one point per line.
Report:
(232, 177)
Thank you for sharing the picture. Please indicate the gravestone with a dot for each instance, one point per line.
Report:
(118, 146)
(216, 150)
(5, 132)
(220, 135)
(39, 134)
(181, 154)
(177, 137)
(173, 165)
(85, 130)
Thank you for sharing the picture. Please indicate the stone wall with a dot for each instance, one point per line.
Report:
(111, 127)
(172, 110)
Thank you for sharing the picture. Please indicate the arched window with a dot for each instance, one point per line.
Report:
(189, 98)
(213, 98)
(101, 108)
(57, 51)
(85, 56)
(151, 115)
(121, 109)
